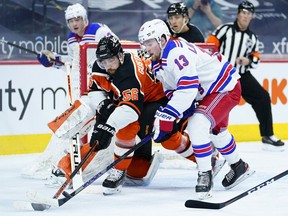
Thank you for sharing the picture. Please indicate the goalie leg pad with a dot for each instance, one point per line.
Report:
(65, 163)
(136, 178)
(139, 167)
(72, 120)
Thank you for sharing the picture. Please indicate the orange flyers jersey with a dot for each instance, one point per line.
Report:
(131, 85)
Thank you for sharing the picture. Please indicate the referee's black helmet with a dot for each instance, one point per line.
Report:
(246, 5)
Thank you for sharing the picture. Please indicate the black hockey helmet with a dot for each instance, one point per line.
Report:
(246, 5)
(108, 47)
(177, 8)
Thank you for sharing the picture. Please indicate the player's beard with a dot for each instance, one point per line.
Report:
(155, 57)
(111, 72)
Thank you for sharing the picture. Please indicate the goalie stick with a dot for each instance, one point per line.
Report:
(42, 203)
(77, 168)
(75, 153)
(208, 205)
(28, 50)
(75, 157)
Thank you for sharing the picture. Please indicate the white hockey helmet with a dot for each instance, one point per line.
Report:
(155, 28)
(76, 10)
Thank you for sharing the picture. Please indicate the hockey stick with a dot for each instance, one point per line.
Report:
(77, 168)
(35, 206)
(28, 50)
(43, 203)
(75, 157)
(208, 205)
(75, 153)
(69, 89)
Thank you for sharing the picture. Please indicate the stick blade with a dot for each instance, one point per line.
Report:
(40, 199)
(29, 206)
(203, 205)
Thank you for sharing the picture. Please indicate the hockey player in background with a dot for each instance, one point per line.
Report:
(237, 42)
(189, 73)
(81, 32)
(179, 26)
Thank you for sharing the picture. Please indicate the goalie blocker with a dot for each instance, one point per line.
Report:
(79, 117)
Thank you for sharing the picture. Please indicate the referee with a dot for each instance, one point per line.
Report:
(240, 45)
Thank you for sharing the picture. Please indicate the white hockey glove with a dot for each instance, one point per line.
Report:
(164, 124)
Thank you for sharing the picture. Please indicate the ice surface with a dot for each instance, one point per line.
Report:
(165, 196)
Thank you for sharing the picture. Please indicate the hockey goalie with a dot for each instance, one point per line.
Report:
(55, 163)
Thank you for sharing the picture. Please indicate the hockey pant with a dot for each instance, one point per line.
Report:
(142, 158)
(209, 124)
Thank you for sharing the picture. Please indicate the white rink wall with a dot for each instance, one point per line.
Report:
(31, 96)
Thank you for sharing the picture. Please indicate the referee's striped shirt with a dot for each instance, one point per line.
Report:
(234, 43)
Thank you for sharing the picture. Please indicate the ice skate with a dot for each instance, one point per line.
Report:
(57, 178)
(204, 185)
(272, 143)
(238, 173)
(113, 183)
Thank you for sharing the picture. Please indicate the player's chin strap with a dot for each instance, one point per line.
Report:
(185, 22)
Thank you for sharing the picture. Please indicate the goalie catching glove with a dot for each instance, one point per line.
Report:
(103, 133)
(164, 124)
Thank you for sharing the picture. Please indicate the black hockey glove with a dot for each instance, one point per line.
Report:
(103, 133)
(104, 110)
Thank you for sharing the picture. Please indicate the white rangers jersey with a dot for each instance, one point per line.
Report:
(190, 73)
(93, 33)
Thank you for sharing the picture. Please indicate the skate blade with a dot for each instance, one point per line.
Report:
(204, 195)
(218, 166)
(269, 147)
(247, 174)
(111, 191)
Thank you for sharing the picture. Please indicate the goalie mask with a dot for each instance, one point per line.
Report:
(155, 28)
(74, 11)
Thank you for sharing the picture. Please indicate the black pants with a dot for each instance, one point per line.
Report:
(259, 99)
(146, 121)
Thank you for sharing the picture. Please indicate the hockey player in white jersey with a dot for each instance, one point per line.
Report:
(189, 74)
(81, 32)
